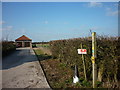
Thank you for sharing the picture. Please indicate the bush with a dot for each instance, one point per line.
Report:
(34, 46)
(108, 55)
(7, 47)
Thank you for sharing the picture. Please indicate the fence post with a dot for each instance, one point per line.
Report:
(93, 58)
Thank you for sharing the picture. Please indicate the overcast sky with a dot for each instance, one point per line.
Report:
(45, 21)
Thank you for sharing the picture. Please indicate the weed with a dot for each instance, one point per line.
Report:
(86, 83)
(68, 81)
(98, 83)
(77, 85)
(62, 65)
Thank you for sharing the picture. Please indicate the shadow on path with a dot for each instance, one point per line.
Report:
(20, 56)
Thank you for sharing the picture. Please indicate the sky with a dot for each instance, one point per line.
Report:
(46, 21)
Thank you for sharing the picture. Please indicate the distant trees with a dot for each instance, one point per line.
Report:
(40, 42)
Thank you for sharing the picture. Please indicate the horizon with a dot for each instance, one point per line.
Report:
(46, 21)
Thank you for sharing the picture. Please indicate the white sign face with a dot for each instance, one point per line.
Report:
(82, 51)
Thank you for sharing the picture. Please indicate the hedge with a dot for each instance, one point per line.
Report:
(7, 47)
(108, 56)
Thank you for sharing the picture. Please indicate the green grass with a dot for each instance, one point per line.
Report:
(38, 52)
(41, 56)
(42, 45)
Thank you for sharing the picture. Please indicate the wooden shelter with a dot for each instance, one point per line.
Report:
(23, 41)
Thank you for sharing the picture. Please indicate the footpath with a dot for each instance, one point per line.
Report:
(22, 70)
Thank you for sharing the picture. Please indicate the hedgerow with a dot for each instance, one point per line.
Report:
(7, 47)
(108, 56)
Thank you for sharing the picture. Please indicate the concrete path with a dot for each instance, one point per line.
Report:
(22, 70)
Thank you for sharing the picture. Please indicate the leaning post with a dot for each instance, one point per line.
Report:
(83, 59)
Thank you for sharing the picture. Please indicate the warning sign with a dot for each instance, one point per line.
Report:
(82, 51)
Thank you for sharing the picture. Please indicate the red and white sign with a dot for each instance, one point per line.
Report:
(82, 51)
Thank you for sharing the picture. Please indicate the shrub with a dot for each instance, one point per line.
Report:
(7, 47)
(108, 55)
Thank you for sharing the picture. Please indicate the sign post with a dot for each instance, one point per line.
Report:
(83, 51)
(84, 63)
(93, 58)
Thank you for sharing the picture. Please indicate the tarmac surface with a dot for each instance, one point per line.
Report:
(21, 69)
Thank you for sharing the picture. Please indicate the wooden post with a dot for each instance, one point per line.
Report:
(16, 43)
(84, 65)
(23, 44)
(30, 44)
(94, 66)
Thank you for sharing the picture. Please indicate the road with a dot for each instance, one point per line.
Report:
(22, 70)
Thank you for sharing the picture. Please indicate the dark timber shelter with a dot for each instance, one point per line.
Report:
(23, 41)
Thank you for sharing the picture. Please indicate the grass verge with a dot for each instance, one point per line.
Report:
(58, 74)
